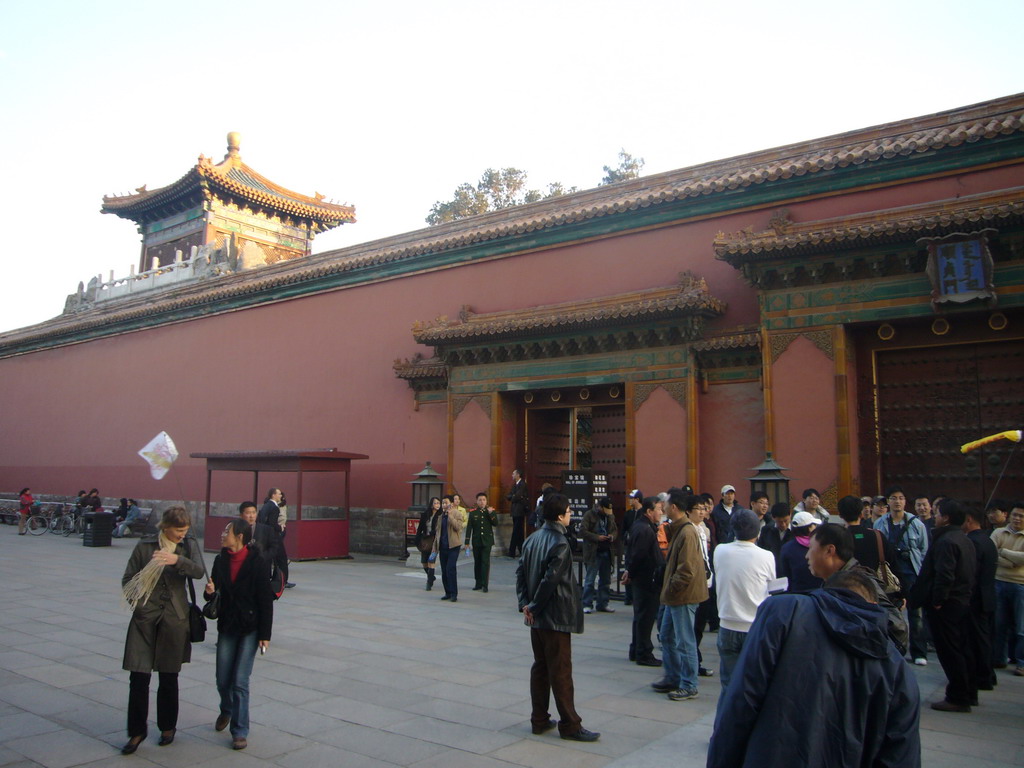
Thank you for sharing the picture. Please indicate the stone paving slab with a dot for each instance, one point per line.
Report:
(367, 669)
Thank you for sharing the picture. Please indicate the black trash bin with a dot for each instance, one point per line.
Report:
(99, 529)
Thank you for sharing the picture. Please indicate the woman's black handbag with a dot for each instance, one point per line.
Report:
(212, 608)
(196, 622)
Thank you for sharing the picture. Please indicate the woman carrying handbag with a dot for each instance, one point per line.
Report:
(153, 584)
(425, 533)
(240, 598)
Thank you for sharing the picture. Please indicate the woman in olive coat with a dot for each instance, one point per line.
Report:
(154, 584)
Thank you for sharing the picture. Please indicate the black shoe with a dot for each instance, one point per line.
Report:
(429, 585)
(632, 656)
(544, 728)
(582, 735)
(974, 701)
(447, 597)
(664, 686)
(167, 737)
(702, 672)
(948, 706)
(649, 662)
(485, 589)
(606, 609)
(289, 585)
(627, 602)
(132, 745)
(455, 599)
(475, 589)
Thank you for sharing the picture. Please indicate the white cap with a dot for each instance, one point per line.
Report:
(802, 519)
(728, 488)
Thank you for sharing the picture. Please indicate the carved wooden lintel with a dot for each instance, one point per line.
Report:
(675, 389)
(821, 339)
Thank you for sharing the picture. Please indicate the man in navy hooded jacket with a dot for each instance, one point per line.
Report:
(819, 685)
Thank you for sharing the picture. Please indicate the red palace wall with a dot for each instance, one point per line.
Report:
(316, 372)
(803, 402)
(731, 436)
(661, 443)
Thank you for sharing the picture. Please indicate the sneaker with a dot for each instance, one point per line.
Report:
(682, 694)
(703, 672)
(588, 610)
(606, 610)
(921, 662)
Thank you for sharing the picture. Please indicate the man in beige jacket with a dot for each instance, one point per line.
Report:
(448, 545)
(684, 588)
(1009, 543)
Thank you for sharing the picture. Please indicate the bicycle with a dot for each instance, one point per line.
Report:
(37, 524)
(64, 521)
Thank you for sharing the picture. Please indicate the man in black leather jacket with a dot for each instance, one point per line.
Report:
(549, 599)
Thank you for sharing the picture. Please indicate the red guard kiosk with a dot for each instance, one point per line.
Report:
(307, 539)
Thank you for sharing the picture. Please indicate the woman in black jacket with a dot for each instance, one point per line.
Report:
(244, 620)
(425, 533)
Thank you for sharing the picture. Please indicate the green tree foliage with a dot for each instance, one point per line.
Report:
(507, 187)
(496, 189)
(629, 168)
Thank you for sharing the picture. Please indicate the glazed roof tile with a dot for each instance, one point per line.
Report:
(907, 223)
(690, 297)
(231, 177)
(728, 341)
(421, 368)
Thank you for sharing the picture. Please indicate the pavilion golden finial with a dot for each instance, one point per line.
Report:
(234, 141)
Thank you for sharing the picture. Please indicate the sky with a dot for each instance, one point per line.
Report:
(391, 105)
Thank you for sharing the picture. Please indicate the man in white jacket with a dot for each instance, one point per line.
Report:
(742, 573)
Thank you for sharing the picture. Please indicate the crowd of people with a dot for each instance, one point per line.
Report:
(826, 609)
(868, 590)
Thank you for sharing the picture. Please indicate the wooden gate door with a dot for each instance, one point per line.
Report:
(932, 400)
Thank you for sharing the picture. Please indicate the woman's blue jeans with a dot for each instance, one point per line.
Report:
(235, 656)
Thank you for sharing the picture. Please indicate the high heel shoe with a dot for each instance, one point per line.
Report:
(132, 745)
(166, 737)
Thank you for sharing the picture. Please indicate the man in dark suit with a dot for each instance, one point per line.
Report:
(943, 589)
(519, 500)
(268, 515)
(983, 599)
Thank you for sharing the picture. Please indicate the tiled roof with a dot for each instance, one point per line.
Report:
(421, 368)
(909, 223)
(689, 298)
(901, 139)
(234, 178)
(929, 134)
(730, 341)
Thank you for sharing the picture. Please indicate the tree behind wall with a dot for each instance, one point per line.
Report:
(504, 188)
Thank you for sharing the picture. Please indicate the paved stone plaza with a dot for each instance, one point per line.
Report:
(366, 669)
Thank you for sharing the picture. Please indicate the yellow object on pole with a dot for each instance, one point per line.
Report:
(1010, 434)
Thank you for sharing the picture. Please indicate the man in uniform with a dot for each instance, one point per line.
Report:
(480, 539)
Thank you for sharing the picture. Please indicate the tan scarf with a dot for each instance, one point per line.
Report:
(140, 586)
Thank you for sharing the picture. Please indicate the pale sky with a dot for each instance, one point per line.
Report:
(390, 105)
